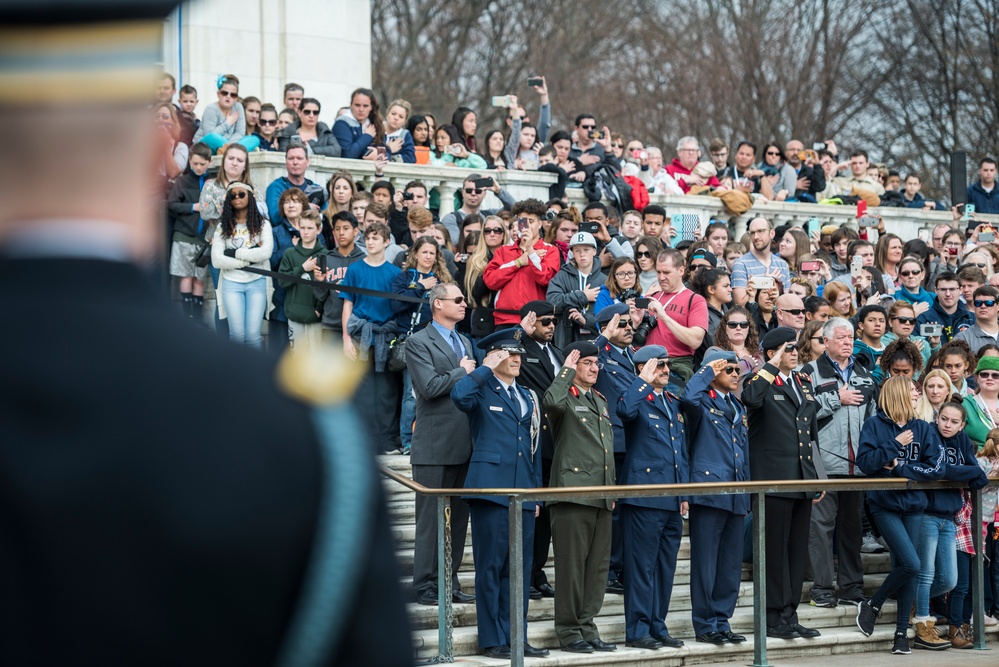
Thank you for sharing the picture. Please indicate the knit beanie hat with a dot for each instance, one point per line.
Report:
(988, 363)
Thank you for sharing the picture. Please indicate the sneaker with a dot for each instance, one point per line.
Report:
(900, 646)
(854, 601)
(867, 616)
(823, 600)
(870, 545)
(927, 637)
(990, 621)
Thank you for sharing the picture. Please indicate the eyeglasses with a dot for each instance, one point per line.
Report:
(793, 311)
(546, 321)
(492, 230)
(988, 375)
(473, 191)
(237, 194)
(589, 362)
(458, 300)
(984, 303)
(737, 325)
(625, 274)
(773, 153)
(909, 274)
(225, 93)
(905, 320)
(272, 121)
(732, 370)
(310, 112)
(643, 253)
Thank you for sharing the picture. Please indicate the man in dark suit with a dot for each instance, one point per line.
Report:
(138, 528)
(617, 374)
(719, 452)
(782, 434)
(539, 362)
(651, 527)
(506, 426)
(437, 357)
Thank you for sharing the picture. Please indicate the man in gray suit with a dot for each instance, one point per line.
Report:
(437, 357)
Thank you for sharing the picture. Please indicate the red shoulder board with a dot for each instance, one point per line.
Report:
(607, 347)
(712, 393)
(598, 393)
(778, 381)
(574, 391)
(650, 397)
(672, 396)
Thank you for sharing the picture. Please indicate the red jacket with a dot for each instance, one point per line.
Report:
(516, 286)
(675, 168)
(639, 193)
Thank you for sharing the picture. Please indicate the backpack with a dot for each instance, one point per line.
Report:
(608, 183)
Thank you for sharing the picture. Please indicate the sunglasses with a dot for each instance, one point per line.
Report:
(616, 146)
(546, 321)
(587, 127)
(492, 230)
(458, 300)
(473, 191)
(790, 347)
(224, 93)
(772, 153)
(989, 375)
(237, 194)
(909, 274)
(310, 112)
(905, 320)
(272, 121)
(980, 265)
(644, 253)
(793, 311)
(623, 323)
(737, 325)
(815, 338)
(732, 370)
(661, 363)
(987, 303)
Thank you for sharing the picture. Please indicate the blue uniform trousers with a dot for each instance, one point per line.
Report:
(651, 540)
(716, 549)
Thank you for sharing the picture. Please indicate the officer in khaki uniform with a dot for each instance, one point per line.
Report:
(783, 430)
(581, 528)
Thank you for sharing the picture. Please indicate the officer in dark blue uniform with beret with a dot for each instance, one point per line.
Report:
(616, 375)
(719, 452)
(651, 527)
(139, 527)
(506, 429)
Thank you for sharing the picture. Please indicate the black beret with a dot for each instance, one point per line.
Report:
(775, 338)
(585, 347)
(540, 308)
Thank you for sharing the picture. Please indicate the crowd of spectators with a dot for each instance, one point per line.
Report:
(872, 317)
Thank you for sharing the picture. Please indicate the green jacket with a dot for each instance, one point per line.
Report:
(583, 437)
(979, 423)
(299, 302)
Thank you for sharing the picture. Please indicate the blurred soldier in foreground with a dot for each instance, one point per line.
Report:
(139, 526)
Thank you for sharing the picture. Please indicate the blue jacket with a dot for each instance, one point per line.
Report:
(953, 324)
(923, 296)
(985, 202)
(657, 445)
(277, 188)
(502, 455)
(353, 141)
(407, 283)
(923, 460)
(961, 467)
(719, 449)
(613, 381)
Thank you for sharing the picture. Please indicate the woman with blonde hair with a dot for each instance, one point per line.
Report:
(937, 390)
(793, 246)
(341, 190)
(480, 297)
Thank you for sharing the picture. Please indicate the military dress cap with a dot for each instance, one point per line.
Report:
(504, 339)
(778, 337)
(705, 254)
(715, 355)
(650, 352)
(539, 308)
(607, 313)
(68, 51)
(585, 347)
(582, 238)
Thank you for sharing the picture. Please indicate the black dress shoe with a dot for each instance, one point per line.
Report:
(532, 652)
(732, 637)
(427, 597)
(601, 645)
(615, 586)
(807, 633)
(547, 590)
(462, 598)
(644, 642)
(578, 646)
(669, 642)
(497, 652)
(534, 594)
(782, 631)
(712, 638)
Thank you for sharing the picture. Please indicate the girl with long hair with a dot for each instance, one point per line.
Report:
(173, 152)
(811, 342)
(621, 276)
(737, 333)
(465, 121)
(361, 129)
(481, 298)
(341, 189)
(242, 239)
(887, 255)
(792, 247)
(894, 442)
(419, 129)
(937, 390)
(840, 300)
(448, 149)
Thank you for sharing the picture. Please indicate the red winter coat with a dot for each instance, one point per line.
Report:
(675, 167)
(516, 286)
(639, 193)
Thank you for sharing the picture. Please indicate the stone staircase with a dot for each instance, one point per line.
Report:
(837, 625)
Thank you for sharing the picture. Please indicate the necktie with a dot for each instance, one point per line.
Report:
(631, 359)
(794, 389)
(731, 406)
(456, 344)
(516, 400)
(669, 412)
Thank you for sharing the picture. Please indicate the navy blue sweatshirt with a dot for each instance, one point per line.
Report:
(923, 460)
(961, 467)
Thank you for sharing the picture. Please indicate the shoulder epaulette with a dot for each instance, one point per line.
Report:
(598, 393)
(574, 391)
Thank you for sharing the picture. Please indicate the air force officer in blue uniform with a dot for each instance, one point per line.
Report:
(505, 419)
(651, 527)
(719, 452)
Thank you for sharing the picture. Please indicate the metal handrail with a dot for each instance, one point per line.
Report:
(759, 489)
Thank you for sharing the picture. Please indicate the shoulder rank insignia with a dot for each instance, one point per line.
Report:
(598, 394)
(650, 397)
(712, 393)
(574, 391)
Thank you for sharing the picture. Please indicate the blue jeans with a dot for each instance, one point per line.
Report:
(901, 532)
(408, 411)
(938, 556)
(216, 141)
(244, 309)
(959, 603)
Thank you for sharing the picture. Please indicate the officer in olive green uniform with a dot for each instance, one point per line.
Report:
(581, 529)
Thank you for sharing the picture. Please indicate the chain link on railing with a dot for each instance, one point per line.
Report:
(446, 610)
